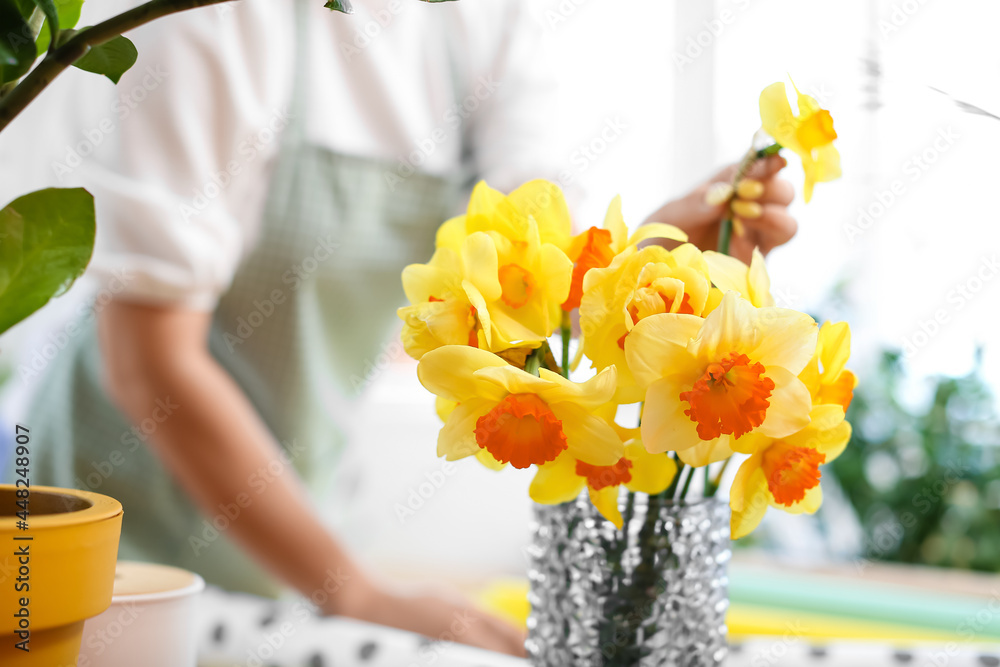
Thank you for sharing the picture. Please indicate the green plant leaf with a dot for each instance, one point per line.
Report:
(112, 59)
(340, 6)
(46, 240)
(17, 48)
(69, 15)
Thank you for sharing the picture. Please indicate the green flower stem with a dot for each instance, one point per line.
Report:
(67, 53)
(713, 488)
(748, 161)
(669, 493)
(534, 360)
(687, 484)
(567, 333)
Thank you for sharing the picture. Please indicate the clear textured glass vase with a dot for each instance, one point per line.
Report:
(653, 593)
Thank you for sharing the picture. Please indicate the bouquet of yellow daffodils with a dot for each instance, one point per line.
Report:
(693, 337)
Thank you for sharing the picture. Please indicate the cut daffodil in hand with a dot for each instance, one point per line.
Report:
(809, 133)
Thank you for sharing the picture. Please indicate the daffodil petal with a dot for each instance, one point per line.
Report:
(556, 482)
(835, 347)
(485, 458)
(615, 223)
(728, 273)
(449, 372)
(751, 443)
(651, 473)
(557, 275)
(606, 502)
(749, 499)
(588, 438)
(787, 338)
(512, 380)
(591, 394)
(808, 505)
(790, 404)
(451, 234)
(657, 345)
(729, 328)
(443, 407)
(457, 438)
(759, 281)
(657, 230)
(479, 256)
(544, 201)
(776, 116)
(665, 427)
(707, 452)
(477, 301)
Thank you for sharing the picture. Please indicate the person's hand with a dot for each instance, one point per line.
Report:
(435, 617)
(760, 210)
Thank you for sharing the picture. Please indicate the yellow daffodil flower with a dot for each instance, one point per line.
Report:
(596, 248)
(442, 310)
(493, 212)
(751, 282)
(563, 479)
(443, 407)
(517, 417)
(825, 375)
(809, 134)
(784, 472)
(636, 285)
(710, 382)
(492, 293)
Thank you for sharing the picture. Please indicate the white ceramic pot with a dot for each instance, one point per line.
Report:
(151, 620)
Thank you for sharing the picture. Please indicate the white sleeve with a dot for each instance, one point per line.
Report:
(180, 185)
(515, 133)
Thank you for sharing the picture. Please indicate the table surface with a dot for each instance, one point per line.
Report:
(243, 630)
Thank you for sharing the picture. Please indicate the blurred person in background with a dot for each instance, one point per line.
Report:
(261, 203)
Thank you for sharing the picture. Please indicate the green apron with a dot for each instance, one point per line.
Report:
(305, 319)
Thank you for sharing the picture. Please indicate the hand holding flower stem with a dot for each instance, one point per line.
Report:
(747, 163)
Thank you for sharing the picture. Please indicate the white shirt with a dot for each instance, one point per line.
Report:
(180, 186)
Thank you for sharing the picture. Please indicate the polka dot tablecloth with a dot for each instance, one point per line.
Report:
(244, 631)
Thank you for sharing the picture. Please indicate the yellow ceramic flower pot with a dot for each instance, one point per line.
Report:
(56, 574)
